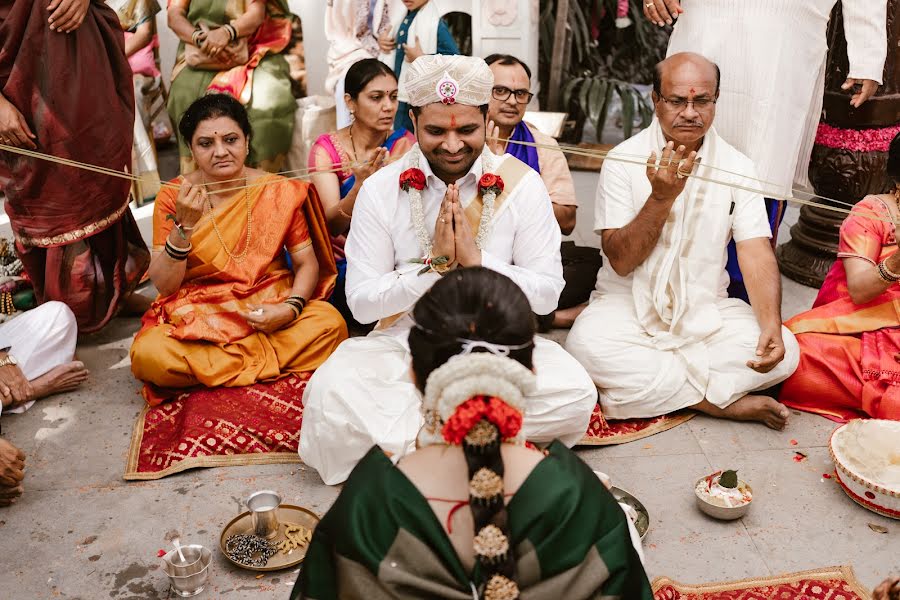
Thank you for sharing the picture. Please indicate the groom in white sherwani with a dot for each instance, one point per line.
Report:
(448, 203)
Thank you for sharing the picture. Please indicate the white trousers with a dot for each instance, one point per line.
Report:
(40, 339)
(364, 395)
(638, 380)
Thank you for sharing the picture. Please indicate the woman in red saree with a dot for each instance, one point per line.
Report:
(850, 340)
(230, 311)
(65, 90)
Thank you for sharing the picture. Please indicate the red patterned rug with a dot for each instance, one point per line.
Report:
(259, 424)
(607, 433)
(829, 583)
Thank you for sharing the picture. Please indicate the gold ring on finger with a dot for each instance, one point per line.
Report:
(649, 5)
(443, 220)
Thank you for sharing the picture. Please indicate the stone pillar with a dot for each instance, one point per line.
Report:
(848, 160)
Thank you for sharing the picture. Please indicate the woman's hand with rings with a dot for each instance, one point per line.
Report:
(215, 41)
(189, 205)
(267, 318)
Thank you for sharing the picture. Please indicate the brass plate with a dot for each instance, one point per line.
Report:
(643, 520)
(287, 513)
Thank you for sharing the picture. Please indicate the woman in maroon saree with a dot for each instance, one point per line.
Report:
(70, 91)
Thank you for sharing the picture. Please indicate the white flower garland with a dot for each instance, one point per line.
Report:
(465, 376)
(417, 210)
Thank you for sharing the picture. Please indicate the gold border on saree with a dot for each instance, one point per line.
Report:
(75, 234)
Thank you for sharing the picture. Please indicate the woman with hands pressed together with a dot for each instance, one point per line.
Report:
(230, 311)
(341, 161)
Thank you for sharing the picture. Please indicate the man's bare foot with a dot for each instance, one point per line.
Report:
(63, 378)
(761, 409)
(564, 319)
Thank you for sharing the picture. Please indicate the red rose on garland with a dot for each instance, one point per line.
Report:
(507, 419)
(490, 183)
(412, 178)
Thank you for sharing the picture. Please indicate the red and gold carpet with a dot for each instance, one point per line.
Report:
(256, 425)
(607, 433)
(260, 424)
(831, 583)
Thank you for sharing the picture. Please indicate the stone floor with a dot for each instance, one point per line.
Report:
(81, 531)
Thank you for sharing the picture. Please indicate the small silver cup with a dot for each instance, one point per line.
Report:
(263, 507)
(188, 578)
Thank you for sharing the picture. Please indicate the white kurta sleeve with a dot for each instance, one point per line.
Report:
(750, 217)
(613, 208)
(536, 264)
(865, 27)
(375, 288)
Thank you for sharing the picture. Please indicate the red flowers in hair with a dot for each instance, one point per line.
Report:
(490, 182)
(412, 178)
(507, 419)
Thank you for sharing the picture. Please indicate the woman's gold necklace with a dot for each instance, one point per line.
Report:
(209, 210)
(353, 144)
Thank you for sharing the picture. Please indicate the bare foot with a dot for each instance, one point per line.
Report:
(564, 319)
(761, 409)
(63, 378)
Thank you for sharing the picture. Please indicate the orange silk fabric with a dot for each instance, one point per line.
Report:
(286, 214)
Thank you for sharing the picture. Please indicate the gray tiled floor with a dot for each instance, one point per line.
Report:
(80, 531)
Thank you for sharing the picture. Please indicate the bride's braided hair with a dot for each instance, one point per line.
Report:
(478, 304)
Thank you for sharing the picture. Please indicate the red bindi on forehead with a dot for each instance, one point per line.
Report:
(452, 120)
(693, 91)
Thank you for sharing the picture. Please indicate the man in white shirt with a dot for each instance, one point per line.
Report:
(660, 333)
(509, 100)
(36, 360)
(363, 394)
(772, 54)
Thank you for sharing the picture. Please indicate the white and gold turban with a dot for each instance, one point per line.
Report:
(447, 79)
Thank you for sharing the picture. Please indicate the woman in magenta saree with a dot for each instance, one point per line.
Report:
(74, 231)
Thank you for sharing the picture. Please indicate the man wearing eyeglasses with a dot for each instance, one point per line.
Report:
(509, 100)
(774, 55)
(661, 333)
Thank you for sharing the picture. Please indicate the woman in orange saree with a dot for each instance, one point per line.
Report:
(230, 311)
(850, 340)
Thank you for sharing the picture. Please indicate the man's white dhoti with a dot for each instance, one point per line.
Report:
(40, 340)
(637, 379)
(667, 336)
(364, 395)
